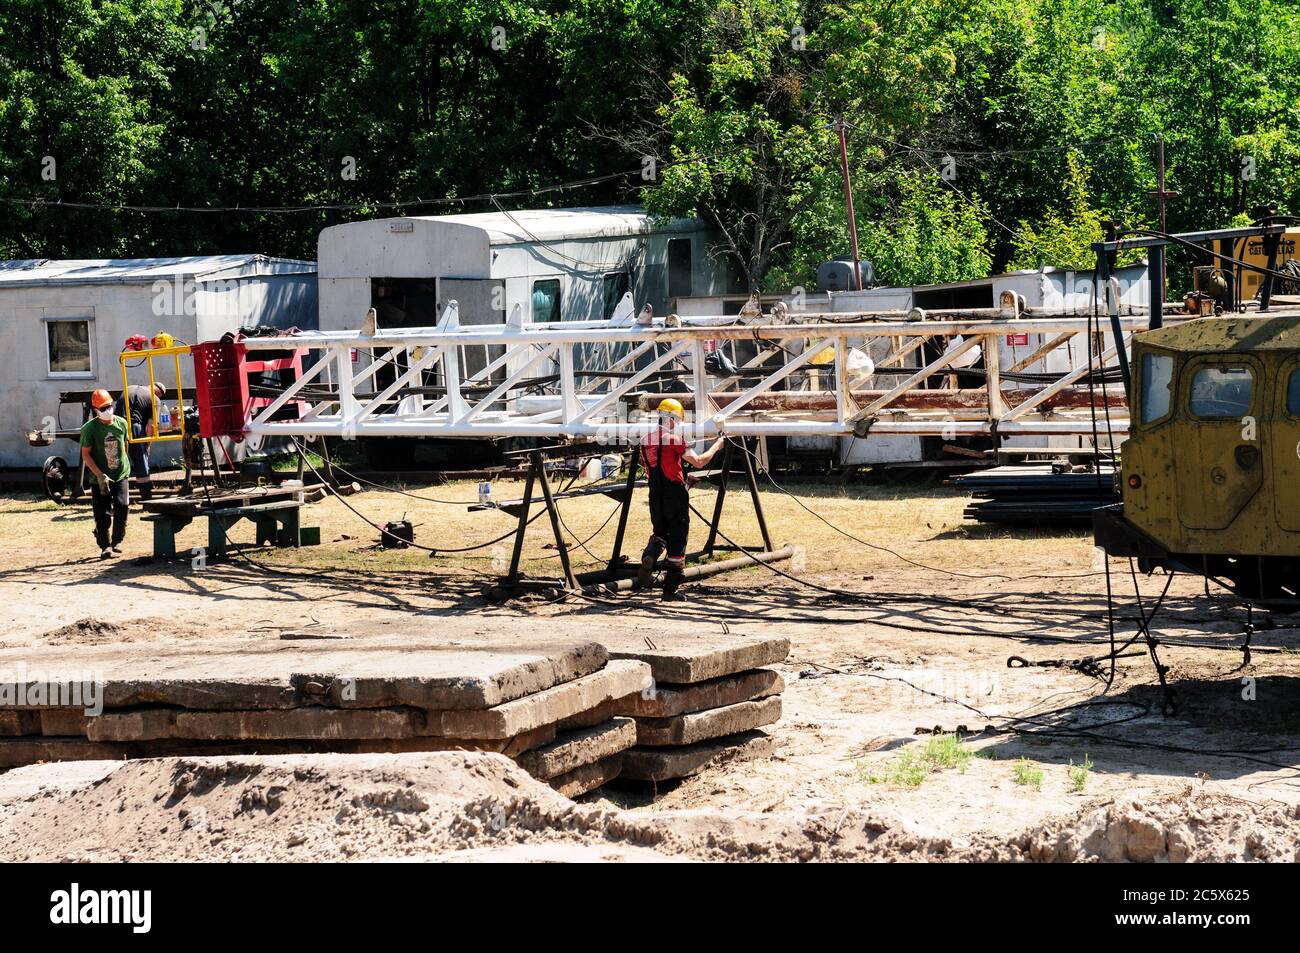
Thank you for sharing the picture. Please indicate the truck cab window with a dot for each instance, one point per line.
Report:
(1293, 393)
(1157, 386)
(1222, 392)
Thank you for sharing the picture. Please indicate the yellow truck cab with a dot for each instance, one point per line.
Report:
(1210, 476)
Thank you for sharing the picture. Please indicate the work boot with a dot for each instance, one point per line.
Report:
(106, 553)
(651, 556)
(672, 581)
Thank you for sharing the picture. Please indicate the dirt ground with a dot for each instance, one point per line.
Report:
(1055, 762)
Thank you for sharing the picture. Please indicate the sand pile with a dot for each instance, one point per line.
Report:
(477, 806)
(1200, 828)
(290, 807)
(85, 631)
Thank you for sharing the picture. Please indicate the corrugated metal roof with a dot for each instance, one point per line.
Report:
(93, 271)
(559, 224)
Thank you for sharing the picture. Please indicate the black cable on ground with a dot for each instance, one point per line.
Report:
(583, 543)
(390, 489)
(432, 551)
(927, 600)
(897, 555)
(233, 547)
(316, 574)
(850, 595)
(1041, 729)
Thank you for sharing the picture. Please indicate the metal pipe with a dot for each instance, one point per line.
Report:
(848, 202)
(503, 336)
(970, 398)
(699, 572)
(1150, 241)
(615, 433)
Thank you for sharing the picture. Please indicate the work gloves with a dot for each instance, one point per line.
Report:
(105, 487)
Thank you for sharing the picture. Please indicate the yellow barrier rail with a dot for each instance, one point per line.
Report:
(150, 354)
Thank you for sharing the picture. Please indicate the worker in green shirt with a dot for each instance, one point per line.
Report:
(105, 452)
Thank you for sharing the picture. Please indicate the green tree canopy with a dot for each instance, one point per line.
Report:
(983, 133)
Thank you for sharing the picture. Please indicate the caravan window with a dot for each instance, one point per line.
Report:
(68, 343)
(615, 286)
(679, 267)
(546, 300)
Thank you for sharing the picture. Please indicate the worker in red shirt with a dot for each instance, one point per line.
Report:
(662, 454)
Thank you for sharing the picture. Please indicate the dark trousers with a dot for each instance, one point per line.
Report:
(139, 453)
(670, 515)
(110, 512)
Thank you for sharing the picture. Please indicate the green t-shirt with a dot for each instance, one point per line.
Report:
(108, 446)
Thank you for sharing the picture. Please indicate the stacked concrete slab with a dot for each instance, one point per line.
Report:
(549, 704)
(711, 698)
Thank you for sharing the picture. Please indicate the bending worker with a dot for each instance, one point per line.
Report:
(136, 405)
(662, 454)
(104, 450)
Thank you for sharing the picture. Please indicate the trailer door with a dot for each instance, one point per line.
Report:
(1218, 439)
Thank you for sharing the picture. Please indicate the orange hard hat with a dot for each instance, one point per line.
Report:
(101, 399)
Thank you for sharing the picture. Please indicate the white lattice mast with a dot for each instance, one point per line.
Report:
(519, 380)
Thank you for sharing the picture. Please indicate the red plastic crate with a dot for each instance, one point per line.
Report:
(222, 372)
(217, 390)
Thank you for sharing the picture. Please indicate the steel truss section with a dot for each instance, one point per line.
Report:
(500, 381)
(618, 573)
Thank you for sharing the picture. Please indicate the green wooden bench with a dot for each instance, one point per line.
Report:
(277, 523)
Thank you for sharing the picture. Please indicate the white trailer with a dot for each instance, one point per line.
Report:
(519, 267)
(63, 325)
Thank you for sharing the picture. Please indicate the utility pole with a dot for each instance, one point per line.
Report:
(1156, 256)
(840, 127)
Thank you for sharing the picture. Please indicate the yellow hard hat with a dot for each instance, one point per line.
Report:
(670, 405)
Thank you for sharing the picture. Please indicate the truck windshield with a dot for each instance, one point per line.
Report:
(1222, 391)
